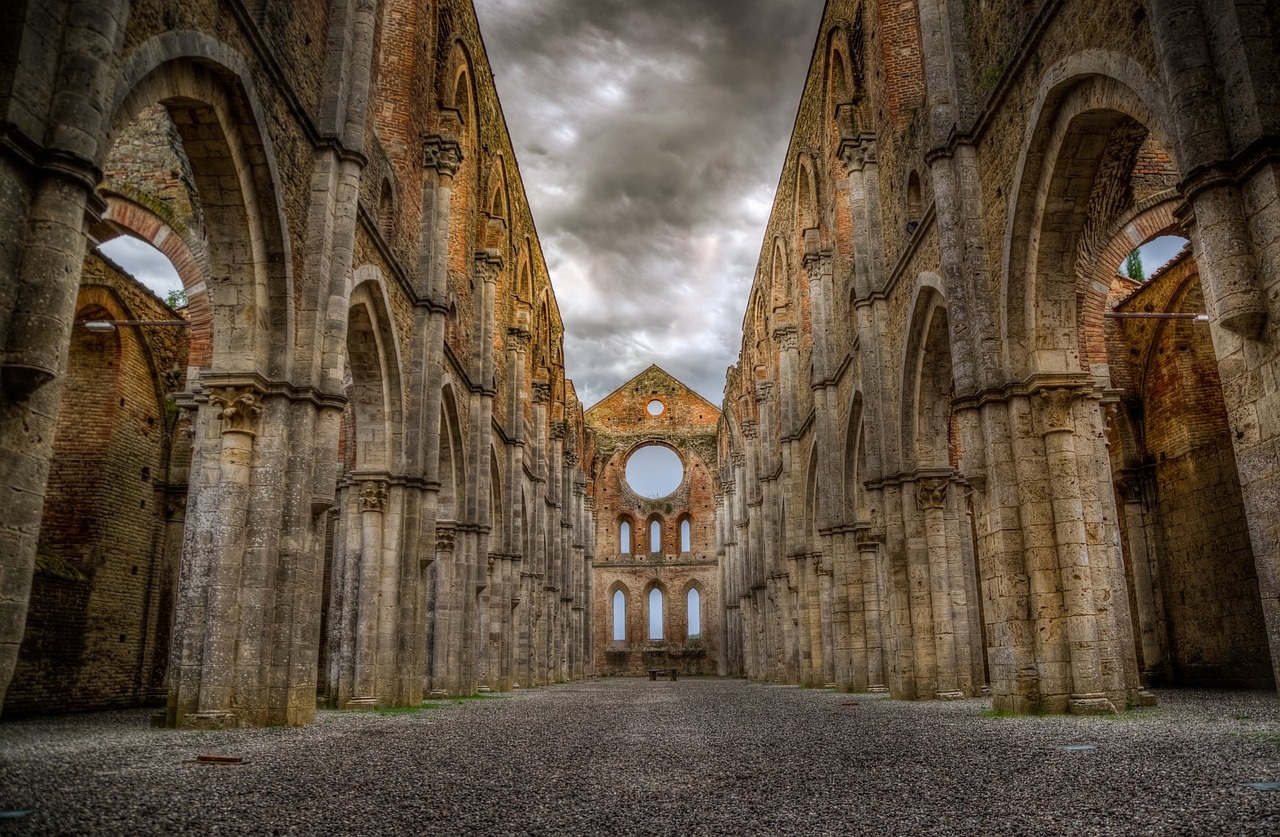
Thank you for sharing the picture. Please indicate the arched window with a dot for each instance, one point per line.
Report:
(655, 614)
(686, 535)
(695, 612)
(619, 616)
(624, 538)
(655, 536)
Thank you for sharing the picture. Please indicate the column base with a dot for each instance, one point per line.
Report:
(210, 720)
(1093, 704)
(1144, 698)
(362, 703)
(878, 689)
(954, 694)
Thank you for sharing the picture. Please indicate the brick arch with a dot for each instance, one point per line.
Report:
(210, 96)
(127, 217)
(1084, 100)
(1149, 219)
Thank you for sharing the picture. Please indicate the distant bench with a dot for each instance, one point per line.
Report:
(654, 672)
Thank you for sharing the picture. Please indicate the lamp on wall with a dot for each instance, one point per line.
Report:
(105, 326)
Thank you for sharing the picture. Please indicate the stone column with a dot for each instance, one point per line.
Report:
(372, 502)
(931, 494)
(208, 613)
(873, 587)
(1151, 627)
(41, 257)
(1057, 428)
(1224, 247)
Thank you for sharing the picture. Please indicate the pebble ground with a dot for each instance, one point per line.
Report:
(624, 756)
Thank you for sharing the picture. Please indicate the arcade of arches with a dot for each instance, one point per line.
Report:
(960, 451)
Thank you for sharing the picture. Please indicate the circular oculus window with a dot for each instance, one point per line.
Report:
(655, 407)
(654, 471)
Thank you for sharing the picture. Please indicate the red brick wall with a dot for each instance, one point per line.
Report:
(91, 635)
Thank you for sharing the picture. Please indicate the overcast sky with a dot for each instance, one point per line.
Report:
(650, 136)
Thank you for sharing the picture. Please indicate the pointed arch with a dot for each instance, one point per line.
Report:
(927, 380)
(452, 458)
(375, 395)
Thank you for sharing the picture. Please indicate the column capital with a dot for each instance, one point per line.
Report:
(443, 153)
(931, 492)
(446, 533)
(488, 264)
(373, 496)
(541, 392)
(764, 394)
(518, 338)
(238, 408)
(787, 338)
(1053, 408)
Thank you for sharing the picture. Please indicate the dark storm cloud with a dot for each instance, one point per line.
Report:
(650, 134)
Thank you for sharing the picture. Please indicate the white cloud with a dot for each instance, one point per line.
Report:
(650, 136)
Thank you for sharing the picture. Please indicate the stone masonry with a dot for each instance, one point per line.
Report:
(957, 453)
(948, 465)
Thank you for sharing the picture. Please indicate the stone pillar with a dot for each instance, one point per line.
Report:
(872, 593)
(213, 558)
(372, 502)
(1151, 627)
(1057, 425)
(42, 247)
(931, 494)
(1223, 244)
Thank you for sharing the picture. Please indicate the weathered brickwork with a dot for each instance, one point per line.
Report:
(1179, 483)
(102, 569)
(914, 455)
(619, 425)
(376, 433)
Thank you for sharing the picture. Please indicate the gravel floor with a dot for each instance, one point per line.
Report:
(635, 757)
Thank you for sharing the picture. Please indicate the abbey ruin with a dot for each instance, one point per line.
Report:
(959, 454)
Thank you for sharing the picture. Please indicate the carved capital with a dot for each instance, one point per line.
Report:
(817, 262)
(559, 429)
(787, 338)
(931, 493)
(750, 429)
(1053, 408)
(442, 153)
(738, 458)
(541, 392)
(764, 393)
(238, 408)
(1129, 488)
(518, 338)
(445, 537)
(373, 496)
(571, 458)
(488, 264)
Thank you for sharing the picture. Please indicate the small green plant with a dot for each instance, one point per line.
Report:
(177, 298)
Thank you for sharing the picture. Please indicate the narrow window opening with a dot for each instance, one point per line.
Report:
(686, 533)
(655, 536)
(655, 614)
(695, 613)
(619, 616)
(624, 538)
